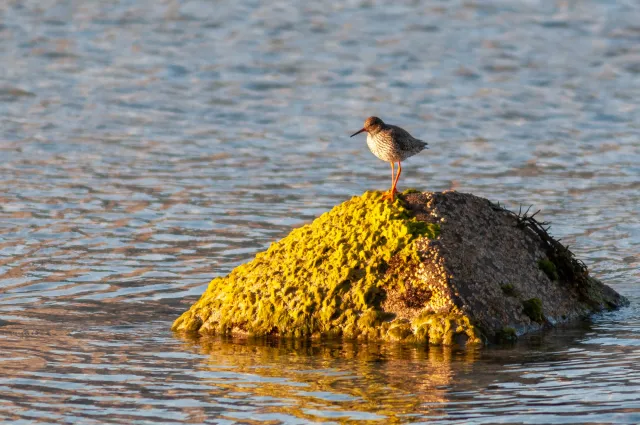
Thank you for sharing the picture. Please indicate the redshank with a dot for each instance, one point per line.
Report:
(392, 144)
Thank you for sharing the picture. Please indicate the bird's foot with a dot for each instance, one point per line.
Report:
(389, 195)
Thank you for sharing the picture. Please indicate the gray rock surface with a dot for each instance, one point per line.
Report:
(490, 264)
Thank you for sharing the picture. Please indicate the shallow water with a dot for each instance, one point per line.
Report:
(147, 147)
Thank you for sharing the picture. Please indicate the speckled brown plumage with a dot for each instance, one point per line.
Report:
(392, 144)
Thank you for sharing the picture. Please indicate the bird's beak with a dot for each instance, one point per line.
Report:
(358, 132)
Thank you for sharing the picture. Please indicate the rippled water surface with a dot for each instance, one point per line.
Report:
(148, 146)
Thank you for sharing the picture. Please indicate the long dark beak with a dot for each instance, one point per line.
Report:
(358, 132)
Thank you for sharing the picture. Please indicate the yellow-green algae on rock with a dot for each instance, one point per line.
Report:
(326, 278)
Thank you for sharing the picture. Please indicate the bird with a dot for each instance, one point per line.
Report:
(392, 144)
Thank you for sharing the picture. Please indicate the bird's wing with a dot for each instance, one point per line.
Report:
(405, 139)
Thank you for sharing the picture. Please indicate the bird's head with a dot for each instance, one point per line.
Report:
(372, 125)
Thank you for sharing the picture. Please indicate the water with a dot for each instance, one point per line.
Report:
(147, 147)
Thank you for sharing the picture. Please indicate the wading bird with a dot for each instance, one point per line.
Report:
(392, 144)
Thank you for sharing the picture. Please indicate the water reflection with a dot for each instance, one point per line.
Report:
(548, 375)
(331, 380)
(102, 368)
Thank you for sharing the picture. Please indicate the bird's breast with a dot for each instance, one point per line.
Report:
(381, 148)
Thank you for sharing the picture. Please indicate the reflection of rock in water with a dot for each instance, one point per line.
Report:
(312, 378)
(432, 267)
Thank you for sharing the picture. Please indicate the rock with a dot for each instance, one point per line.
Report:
(437, 268)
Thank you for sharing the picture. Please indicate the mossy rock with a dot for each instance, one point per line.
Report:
(533, 309)
(506, 335)
(548, 268)
(326, 278)
(424, 269)
(509, 290)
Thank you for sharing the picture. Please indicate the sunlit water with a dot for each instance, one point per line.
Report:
(147, 147)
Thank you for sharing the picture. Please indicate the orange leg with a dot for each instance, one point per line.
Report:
(389, 195)
(393, 174)
(394, 181)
